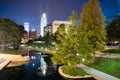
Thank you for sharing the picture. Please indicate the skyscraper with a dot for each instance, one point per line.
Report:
(43, 23)
(26, 27)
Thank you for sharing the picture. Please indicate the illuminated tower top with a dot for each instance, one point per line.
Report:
(43, 23)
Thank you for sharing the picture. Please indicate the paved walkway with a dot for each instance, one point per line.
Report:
(5, 59)
(1, 60)
(107, 55)
(4, 63)
(97, 74)
(14, 57)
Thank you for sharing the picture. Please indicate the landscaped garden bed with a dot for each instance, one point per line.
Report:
(70, 73)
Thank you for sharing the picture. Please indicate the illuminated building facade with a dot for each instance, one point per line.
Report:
(43, 23)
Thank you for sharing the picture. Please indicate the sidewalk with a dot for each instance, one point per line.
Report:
(1, 60)
(12, 57)
(106, 55)
(5, 59)
(97, 74)
(4, 63)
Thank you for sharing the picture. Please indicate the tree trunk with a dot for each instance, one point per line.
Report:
(94, 54)
(69, 64)
(74, 68)
(3, 45)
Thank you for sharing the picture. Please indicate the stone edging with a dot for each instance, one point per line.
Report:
(71, 77)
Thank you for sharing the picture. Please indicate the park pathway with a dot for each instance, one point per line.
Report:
(107, 55)
(5, 59)
(1, 60)
(97, 74)
(3, 63)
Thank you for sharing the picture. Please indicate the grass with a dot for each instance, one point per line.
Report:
(39, 45)
(11, 51)
(109, 66)
(70, 71)
(113, 51)
(34, 45)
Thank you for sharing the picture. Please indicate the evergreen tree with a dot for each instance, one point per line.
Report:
(48, 39)
(58, 57)
(72, 47)
(93, 17)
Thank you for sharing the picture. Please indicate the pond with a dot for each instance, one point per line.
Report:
(40, 67)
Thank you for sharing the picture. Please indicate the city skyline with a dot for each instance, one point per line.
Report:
(30, 11)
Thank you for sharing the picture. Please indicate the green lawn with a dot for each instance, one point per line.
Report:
(113, 51)
(34, 45)
(39, 45)
(70, 71)
(109, 66)
(11, 51)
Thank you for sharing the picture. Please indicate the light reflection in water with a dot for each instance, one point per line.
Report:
(40, 67)
(33, 64)
(43, 65)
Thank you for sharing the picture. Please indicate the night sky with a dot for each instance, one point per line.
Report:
(30, 10)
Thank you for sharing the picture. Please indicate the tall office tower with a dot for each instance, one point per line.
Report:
(26, 26)
(43, 23)
(25, 38)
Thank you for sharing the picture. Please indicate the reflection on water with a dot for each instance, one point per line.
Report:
(40, 67)
(43, 65)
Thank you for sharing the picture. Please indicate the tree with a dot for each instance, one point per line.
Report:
(72, 47)
(48, 39)
(93, 17)
(10, 33)
(85, 49)
(113, 29)
(58, 34)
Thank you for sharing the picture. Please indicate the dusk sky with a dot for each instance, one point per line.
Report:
(31, 10)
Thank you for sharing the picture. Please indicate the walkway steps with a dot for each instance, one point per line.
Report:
(4, 63)
(97, 74)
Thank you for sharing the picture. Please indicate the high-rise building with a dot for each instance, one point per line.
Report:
(33, 34)
(52, 28)
(25, 38)
(56, 24)
(43, 23)
(26, 27)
